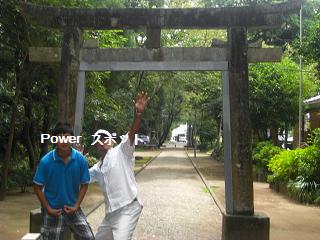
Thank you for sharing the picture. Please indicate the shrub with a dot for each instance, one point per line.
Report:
(314, 138)
(262, 153)
(300, 168)
(309, 166)
(217, 152)
(284, 166)
(304, 190)
(20, 176)
(290, 164)
(204, 146)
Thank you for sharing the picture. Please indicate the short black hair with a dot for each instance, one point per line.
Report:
(62, 128)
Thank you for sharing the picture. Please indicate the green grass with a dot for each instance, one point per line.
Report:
(213, 189)
(144, 149)
(142, 161)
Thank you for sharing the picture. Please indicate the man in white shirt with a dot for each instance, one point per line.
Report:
(115, 175)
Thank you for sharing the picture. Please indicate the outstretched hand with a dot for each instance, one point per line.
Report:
(140, 104)
(141, 101)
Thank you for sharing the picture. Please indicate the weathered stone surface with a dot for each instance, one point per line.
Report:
(153, 55)
(154, 66)
(69, 71)
(44, 54)
(35, 221)
(134, 18)
(237, 128)
(197, 54)
(91, 43)
(222, 44)
(239, 227)
(153, 38)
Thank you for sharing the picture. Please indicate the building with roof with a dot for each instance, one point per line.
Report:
(313, 112)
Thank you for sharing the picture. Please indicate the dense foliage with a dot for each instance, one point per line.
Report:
(311, 42)
(274, 95)
(300, 169)
(297, 170)
(262, 152)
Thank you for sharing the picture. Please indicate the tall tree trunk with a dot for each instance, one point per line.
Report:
(29, 145)
(286, 136)
(45, 128)
(303, 137)
(189, 135)
(6, 160)
(171, 116)
(27, 135)
(166, 130)
(194, 129)
(167, 127)
(219, 130)
(274, 136)
(218, 150)
(28, 138)
(14, 111)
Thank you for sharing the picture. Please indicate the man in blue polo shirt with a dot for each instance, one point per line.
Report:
(61, 182)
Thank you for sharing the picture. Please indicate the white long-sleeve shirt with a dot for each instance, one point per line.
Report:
(116, 176)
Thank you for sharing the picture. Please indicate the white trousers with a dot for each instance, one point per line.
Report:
(120, 224)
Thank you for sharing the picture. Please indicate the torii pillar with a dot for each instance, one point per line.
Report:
(69, 73)
(240, 222)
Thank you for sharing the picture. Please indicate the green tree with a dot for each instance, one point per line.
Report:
(28, 91)
(274, 95)
(13, 40)
(311, 43)
(283, 36)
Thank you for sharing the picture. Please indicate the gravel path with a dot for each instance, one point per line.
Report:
(175, 203)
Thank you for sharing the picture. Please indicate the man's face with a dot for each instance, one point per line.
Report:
(64, 146)
(105, 145)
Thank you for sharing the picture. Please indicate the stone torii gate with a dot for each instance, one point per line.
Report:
(239, 219)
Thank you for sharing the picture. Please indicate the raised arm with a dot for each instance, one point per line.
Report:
(140, 104)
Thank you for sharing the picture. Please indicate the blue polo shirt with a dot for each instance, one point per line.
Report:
(60, 181)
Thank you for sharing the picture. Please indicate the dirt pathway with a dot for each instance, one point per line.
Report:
(289, 220)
